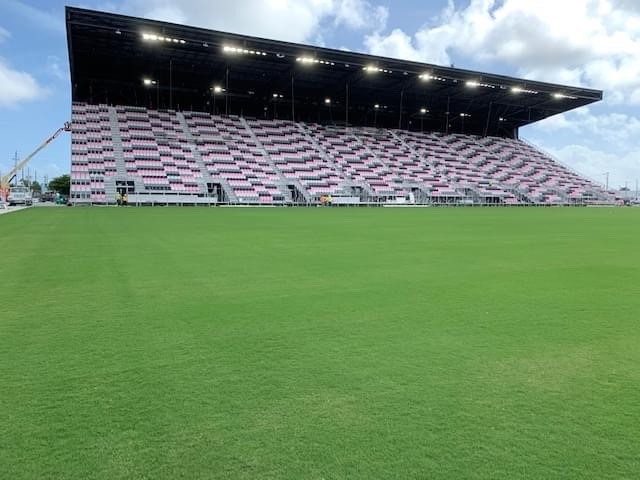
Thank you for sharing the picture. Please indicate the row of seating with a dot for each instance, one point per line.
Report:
(169, 151)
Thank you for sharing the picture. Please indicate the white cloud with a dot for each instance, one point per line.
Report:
(607, 142)
(290, 20)
(594, 43)
(17, 86)
(595, 163)
(619, 130)
(360, 14)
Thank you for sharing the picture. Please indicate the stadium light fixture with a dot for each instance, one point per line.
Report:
(425, 77)
(465, 115)
(242, 51)
(376, 106)
(148, 82)
(327, 101)
(217, 89)
(560, 96)
(374, 69)
(476, 84)
(423, 111)
(152, 37)
(502, 119)
(523, 90)
(311, 60)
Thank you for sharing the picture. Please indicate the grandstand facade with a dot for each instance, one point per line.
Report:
(179, 115)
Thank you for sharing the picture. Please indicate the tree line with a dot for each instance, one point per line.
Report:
(61, 185)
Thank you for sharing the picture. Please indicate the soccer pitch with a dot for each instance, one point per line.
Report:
(320, 343)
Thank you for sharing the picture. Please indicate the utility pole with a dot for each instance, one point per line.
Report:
(15, 164)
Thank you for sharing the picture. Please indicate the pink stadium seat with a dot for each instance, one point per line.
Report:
(257, 158)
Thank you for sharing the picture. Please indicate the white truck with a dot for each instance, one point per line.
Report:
(19, 196)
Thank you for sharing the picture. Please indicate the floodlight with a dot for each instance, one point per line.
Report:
(370, 69)
(475, 84)
(159, 38)
(217, 89)
(523, 90)
(559, 96)
(423, 110)
(327, 101)
(230, 49)
(374, 69)
(428, 76)
(308, 60)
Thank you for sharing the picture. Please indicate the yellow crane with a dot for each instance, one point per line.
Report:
(5, 180)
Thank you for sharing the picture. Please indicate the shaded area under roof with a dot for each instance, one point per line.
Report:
(117, 59)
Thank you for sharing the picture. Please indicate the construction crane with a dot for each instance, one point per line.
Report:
(6, 180)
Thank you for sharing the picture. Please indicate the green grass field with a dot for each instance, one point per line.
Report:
(320, 343)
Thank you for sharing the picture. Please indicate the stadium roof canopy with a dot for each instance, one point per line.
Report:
(118, 59)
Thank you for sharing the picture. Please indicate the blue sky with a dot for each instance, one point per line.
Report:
(598, 48)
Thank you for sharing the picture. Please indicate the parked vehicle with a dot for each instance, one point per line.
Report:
(19, 196)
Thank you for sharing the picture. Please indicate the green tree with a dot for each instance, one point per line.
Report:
(61, 184)
(36, 187)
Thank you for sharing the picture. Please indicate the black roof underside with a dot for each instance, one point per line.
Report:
(110, 60)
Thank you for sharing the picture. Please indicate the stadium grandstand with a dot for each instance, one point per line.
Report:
(171, 114)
